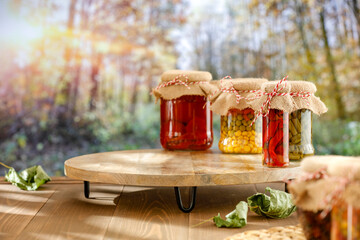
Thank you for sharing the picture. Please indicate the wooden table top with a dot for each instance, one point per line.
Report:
(157, 167)
(58, 210)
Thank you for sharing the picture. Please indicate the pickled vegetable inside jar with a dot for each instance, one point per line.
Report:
(314, 226)
(185, 116)
(300, 138)
(186, 123)
(345, 222)
(237, 136)
(306, 103)
(276, 139)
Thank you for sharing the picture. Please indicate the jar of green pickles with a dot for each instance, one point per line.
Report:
(300, 134)
(300, 120)
(231, 100)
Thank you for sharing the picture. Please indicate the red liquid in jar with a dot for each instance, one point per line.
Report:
(276, 139)
(186, 123)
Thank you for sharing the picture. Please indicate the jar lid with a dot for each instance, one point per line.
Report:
(302, 93)
(281, 99)
(193, 76)
(178, 83)
(227, 94)
(269, 87)
(302, 86)
(311, 190)
(243, 84)
(337, 166)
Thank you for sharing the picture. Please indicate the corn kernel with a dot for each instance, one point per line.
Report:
(246, 149)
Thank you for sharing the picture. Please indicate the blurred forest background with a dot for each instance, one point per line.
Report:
(75, 75)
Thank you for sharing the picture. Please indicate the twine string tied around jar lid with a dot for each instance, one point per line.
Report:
(232, 90)
(332, 198)
(266, 106)
(177, 81)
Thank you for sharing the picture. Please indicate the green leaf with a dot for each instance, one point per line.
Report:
(235, 219)
(29, 179)
(278, 205)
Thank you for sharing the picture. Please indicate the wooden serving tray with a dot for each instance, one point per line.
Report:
(176, 169)
(157, 167)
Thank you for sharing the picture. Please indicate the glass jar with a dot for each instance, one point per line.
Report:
(276, 139)
(237, 136)
(345, 222)
(314, 226)
(300, 138)
(186, 123)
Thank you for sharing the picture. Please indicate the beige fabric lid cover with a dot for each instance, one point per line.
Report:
(310, 195)
(352, 194)
(178, 89)
(336, 166)
(284, 103)
(222, 99)
(311, 102)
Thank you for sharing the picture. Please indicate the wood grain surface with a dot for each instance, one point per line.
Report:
(159, 167)
(18, 208)
(60, 211)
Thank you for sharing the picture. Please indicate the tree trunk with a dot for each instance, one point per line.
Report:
(94, 81)
(63, 114)
(356, 11)
(299, 8)
(329, 59)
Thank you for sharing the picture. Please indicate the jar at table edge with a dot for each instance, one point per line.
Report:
(275, 133)
(314, 226)
(185, 116)
(345, 221)
(236, 134)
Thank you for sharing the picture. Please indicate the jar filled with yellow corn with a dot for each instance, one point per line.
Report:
(237, 136)
(300, 120)
(232, 100)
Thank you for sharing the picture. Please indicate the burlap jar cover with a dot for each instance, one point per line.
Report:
(235, 93)
(325, 181)
(303, 94)
(177, 83)
(288, 96)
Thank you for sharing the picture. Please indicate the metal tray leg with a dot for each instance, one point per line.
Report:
(179, 201)
(86, 189)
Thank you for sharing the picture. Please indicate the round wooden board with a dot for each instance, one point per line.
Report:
(158, 167)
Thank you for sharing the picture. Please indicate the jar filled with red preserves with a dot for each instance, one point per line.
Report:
(274, 106)
(276, 139)
(185, 116)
